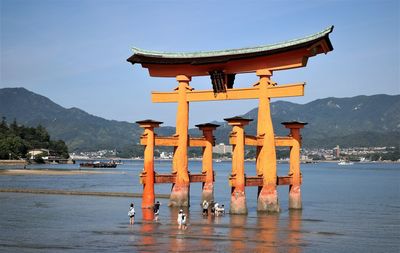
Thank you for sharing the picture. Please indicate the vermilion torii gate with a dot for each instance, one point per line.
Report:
(222, 66)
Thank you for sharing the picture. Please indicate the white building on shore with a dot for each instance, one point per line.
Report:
(222, 148)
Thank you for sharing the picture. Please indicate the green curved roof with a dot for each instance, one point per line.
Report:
(148, 56)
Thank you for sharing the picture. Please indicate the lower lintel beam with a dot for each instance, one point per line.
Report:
(172, 141)
(171, 178)
(258, 180)
(280, 141)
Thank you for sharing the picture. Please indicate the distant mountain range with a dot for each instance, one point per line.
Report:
(357, 121)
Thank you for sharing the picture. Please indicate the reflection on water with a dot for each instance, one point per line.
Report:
(294, 236)
(229, 233)
(147, 228)
(237, 233)
(268, 225)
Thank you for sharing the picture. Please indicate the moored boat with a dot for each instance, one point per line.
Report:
(99, 165)
(117, 162)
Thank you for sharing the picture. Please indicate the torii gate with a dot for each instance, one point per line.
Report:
(222, 66)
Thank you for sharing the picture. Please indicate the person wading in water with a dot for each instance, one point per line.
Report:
(181, 220)
(156, 210)
(131, 214)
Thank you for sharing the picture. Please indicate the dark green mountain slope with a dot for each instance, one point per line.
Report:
(370, 120)
(373, 120)
(80, 130)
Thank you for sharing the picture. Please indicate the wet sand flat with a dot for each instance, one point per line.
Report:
(53, 172)
(86, 193)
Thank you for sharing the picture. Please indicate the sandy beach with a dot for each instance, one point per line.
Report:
(53, 172)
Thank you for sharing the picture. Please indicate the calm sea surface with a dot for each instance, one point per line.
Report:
(345, 209)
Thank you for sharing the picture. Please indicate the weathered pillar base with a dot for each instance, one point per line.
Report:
(208, 192)
(179, 196)
(295, 197)
(238, 203)
(268, 200)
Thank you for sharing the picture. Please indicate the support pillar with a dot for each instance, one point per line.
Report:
(294, 169)
(207, 166)
(238, 196)
(180, 189)
(148, 170)
(266, 161)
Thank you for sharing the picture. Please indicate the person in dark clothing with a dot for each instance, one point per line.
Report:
(212, 204)
(156, 210)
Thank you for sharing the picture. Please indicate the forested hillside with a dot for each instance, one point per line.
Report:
(357, 121)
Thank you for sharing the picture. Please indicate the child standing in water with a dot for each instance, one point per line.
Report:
(181, 220)
(131, 214)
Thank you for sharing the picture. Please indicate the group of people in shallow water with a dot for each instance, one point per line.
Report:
(215, 209)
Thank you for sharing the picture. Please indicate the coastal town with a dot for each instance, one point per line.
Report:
(224, 152)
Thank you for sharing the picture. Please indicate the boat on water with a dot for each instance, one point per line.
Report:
(345, 163)
(99, 164)
(117, 162)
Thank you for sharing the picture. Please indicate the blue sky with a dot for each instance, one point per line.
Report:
(75, 52)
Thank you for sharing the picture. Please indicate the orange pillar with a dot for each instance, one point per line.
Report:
(207, 166)
(238, 196)
(263, 114)
(148, 170)
(294, 169)
(180, 189)
(266, 162)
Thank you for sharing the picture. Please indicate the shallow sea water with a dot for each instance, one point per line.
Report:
(345, 209)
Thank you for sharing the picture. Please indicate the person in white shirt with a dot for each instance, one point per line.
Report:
(131, 214)
(215, 207)
(181, 220)
(205, 208)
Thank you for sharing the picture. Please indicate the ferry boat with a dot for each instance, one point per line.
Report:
(99, 165)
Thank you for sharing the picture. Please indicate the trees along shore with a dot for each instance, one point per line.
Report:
(17, 140)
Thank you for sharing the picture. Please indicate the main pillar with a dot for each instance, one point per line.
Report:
(180, 189)
(266, 161)
(148, 170)
(238, 196)
(294, 167)
(207, 166)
